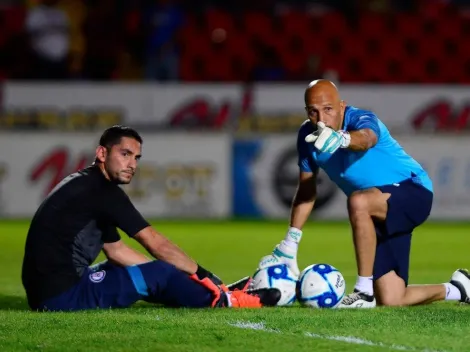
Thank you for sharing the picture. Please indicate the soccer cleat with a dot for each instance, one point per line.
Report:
(250, 299)
(240, 285)
(461, 279)
(358, 299)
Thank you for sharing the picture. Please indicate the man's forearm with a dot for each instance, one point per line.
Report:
(300, 212)
(362, 140)
(127, 256)
(172, 254)
(163, 249)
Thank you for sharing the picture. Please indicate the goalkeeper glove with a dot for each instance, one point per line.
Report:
(282, 254)
(328, 140)
(210, 281)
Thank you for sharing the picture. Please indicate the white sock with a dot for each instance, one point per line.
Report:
(293, 237)
(365, 284)
(452, 292)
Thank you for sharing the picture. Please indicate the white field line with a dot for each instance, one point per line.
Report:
(347, 339)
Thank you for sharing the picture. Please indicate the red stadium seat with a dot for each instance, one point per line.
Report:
(401, 48)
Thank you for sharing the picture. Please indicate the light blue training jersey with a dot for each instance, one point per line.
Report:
(384, 164)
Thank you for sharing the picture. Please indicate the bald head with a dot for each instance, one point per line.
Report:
(323, 103)
(321, 87)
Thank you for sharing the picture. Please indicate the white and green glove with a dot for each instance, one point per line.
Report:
(283, 253)
(328, 140)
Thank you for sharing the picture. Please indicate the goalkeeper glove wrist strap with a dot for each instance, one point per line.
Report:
(202, 273)
(346, 138)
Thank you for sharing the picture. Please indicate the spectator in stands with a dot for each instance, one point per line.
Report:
(48, 30)
(162, 20)
(103, 36)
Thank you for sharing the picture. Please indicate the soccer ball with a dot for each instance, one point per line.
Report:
(320, 286)
(277, 276)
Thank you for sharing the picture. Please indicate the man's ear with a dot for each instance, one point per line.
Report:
(101, 153)
(342, 105)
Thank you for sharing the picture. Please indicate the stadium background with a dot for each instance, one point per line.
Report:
(217, 90)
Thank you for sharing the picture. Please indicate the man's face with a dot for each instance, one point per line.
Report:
(323, 105)
(120, 162)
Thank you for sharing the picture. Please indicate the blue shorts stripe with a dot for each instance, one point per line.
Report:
(138, 279)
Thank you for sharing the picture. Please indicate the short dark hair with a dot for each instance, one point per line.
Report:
(113, 135)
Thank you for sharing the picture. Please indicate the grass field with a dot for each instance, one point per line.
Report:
(232, 250)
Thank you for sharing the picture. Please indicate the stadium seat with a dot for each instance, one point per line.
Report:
(416, 49)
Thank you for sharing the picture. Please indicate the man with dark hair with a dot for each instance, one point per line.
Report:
(80, 217)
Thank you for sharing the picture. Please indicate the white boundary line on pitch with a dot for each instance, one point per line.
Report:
(347, 339)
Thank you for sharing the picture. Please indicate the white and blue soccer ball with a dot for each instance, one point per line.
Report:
(277, 276)
(321, 286)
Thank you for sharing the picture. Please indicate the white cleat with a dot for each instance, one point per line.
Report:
(358, 300)
(461, 279)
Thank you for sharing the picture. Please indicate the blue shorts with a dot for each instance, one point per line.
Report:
(110, 286)
(408, 207)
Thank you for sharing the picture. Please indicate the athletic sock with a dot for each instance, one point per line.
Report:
(365, 284)
(452, 292)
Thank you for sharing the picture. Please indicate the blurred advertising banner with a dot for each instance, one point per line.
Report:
(265, 174)
(404, 109)
(260, 108)
(178, 176)
(91, 106)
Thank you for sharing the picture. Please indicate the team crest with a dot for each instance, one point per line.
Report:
(97, 276)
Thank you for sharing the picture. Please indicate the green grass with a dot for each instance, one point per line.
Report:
(232, 250)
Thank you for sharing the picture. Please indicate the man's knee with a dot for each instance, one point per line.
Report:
(390, 300)
(371, 202)
(358, 202)
(390, 290)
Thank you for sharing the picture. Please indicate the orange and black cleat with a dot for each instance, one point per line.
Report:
(240, 285)
(266, 297)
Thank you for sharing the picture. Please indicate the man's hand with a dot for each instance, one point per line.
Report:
(282, 254)
(328, 140)
(202, 274)
(211, 282)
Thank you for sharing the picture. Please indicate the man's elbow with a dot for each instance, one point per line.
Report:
(371, 137)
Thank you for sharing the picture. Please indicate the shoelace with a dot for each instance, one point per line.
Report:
(350, 299)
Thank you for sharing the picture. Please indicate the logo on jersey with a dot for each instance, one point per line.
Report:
(97, 276)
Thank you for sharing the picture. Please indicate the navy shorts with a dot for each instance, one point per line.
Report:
(408, 207)
(110, 286)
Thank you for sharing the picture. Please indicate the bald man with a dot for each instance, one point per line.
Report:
(389, 195)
